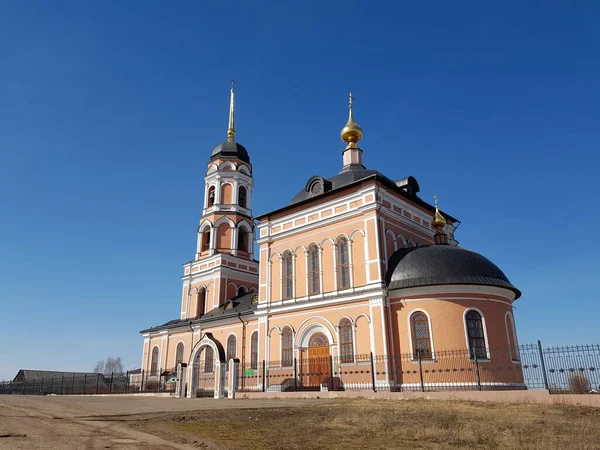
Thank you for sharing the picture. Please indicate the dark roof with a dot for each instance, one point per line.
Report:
(28, 375)
(443, 264)
(344, 178)
(240, 305)
(318, 186)
(230, 149)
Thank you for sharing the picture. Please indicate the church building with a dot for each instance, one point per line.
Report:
(357, 274)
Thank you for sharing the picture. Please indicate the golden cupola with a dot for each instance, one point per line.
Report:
(351, 133)
(439, 222)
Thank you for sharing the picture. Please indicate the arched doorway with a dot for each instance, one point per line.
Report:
(204, 373)
(317, 363)
(206, 369)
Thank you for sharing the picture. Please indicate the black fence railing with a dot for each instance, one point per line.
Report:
(565, 369)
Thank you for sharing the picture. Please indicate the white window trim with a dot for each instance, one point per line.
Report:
(410, 338)
(485, 334)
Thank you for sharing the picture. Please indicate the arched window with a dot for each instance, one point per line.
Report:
(313, 270)
(242, 243)
(287, 350)
(241, 291)
(343, 265)
(231, 341)
(288, 277)
(200, 302)
(179, 354)
(209, 360)
(211, 196)
(254, 351)
(242, 197)
(421, 338)
(154, 362)
(476, 335)
(346, 346)
(206, 239)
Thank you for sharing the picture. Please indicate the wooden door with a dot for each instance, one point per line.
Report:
(318, 359)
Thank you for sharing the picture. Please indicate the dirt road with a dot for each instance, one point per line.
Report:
(76, 423)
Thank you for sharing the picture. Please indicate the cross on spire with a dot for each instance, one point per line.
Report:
(350, 99)
(232, 84)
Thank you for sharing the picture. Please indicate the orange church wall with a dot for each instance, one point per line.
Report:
(448, 332)
(227, 194)
(223, 241)
(300, 243)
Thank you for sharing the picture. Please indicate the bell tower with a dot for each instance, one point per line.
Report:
(223, 265)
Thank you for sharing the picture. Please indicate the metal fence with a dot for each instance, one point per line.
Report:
(565, 369)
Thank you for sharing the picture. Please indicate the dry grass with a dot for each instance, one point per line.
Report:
(358, 424)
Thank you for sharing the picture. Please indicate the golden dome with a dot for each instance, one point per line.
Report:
(351, 133)
(438, 221)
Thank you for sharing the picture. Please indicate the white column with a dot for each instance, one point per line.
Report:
(335, 270)
(234, 238)
(350, 264)
(293, 275)
(218, 191)
(321, 271)
(307, 273)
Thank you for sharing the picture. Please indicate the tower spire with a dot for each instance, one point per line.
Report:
(351, 134)
(439, 222)
(231, 129)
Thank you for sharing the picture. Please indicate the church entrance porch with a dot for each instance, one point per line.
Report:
(315, 361)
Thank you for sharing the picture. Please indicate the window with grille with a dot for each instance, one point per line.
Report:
(154, 362)
(242, 197)
(179, 354)
(346, 344)
(288, 276)
(314, 269)
(231, 341)
(254, 351)
(343, 265)
(421, 339)
(476, 335)
(209, 360)
(287, 351)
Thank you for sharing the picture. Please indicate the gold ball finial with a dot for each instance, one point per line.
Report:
(351, 133)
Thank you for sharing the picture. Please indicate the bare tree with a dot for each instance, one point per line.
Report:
(109, 365)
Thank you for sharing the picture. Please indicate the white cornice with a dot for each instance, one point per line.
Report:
(453, 289)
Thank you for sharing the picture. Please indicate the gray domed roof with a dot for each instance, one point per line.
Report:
(230, 149)
(434, 265)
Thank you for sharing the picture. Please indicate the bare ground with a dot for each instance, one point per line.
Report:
(359, 424)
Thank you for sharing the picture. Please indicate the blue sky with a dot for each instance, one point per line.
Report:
(109, 112)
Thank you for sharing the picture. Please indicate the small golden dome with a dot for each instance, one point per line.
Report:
(438, 221)
(351, 133)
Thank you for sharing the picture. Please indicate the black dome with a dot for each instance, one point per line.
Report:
(443, 264)
(230, 149)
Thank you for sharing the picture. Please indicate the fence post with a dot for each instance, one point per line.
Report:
(51, 384)
(159, 377)
(373, 373)
(73, 384)
(142, 382)
(33, 387)
(62, 378)
(420, 370)
(127, 382)
(97, 382)
(478, 378)
(111, 382)
(543, 363)
(42, 388)
(295, 375)
(84, 383)
(263, 376)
